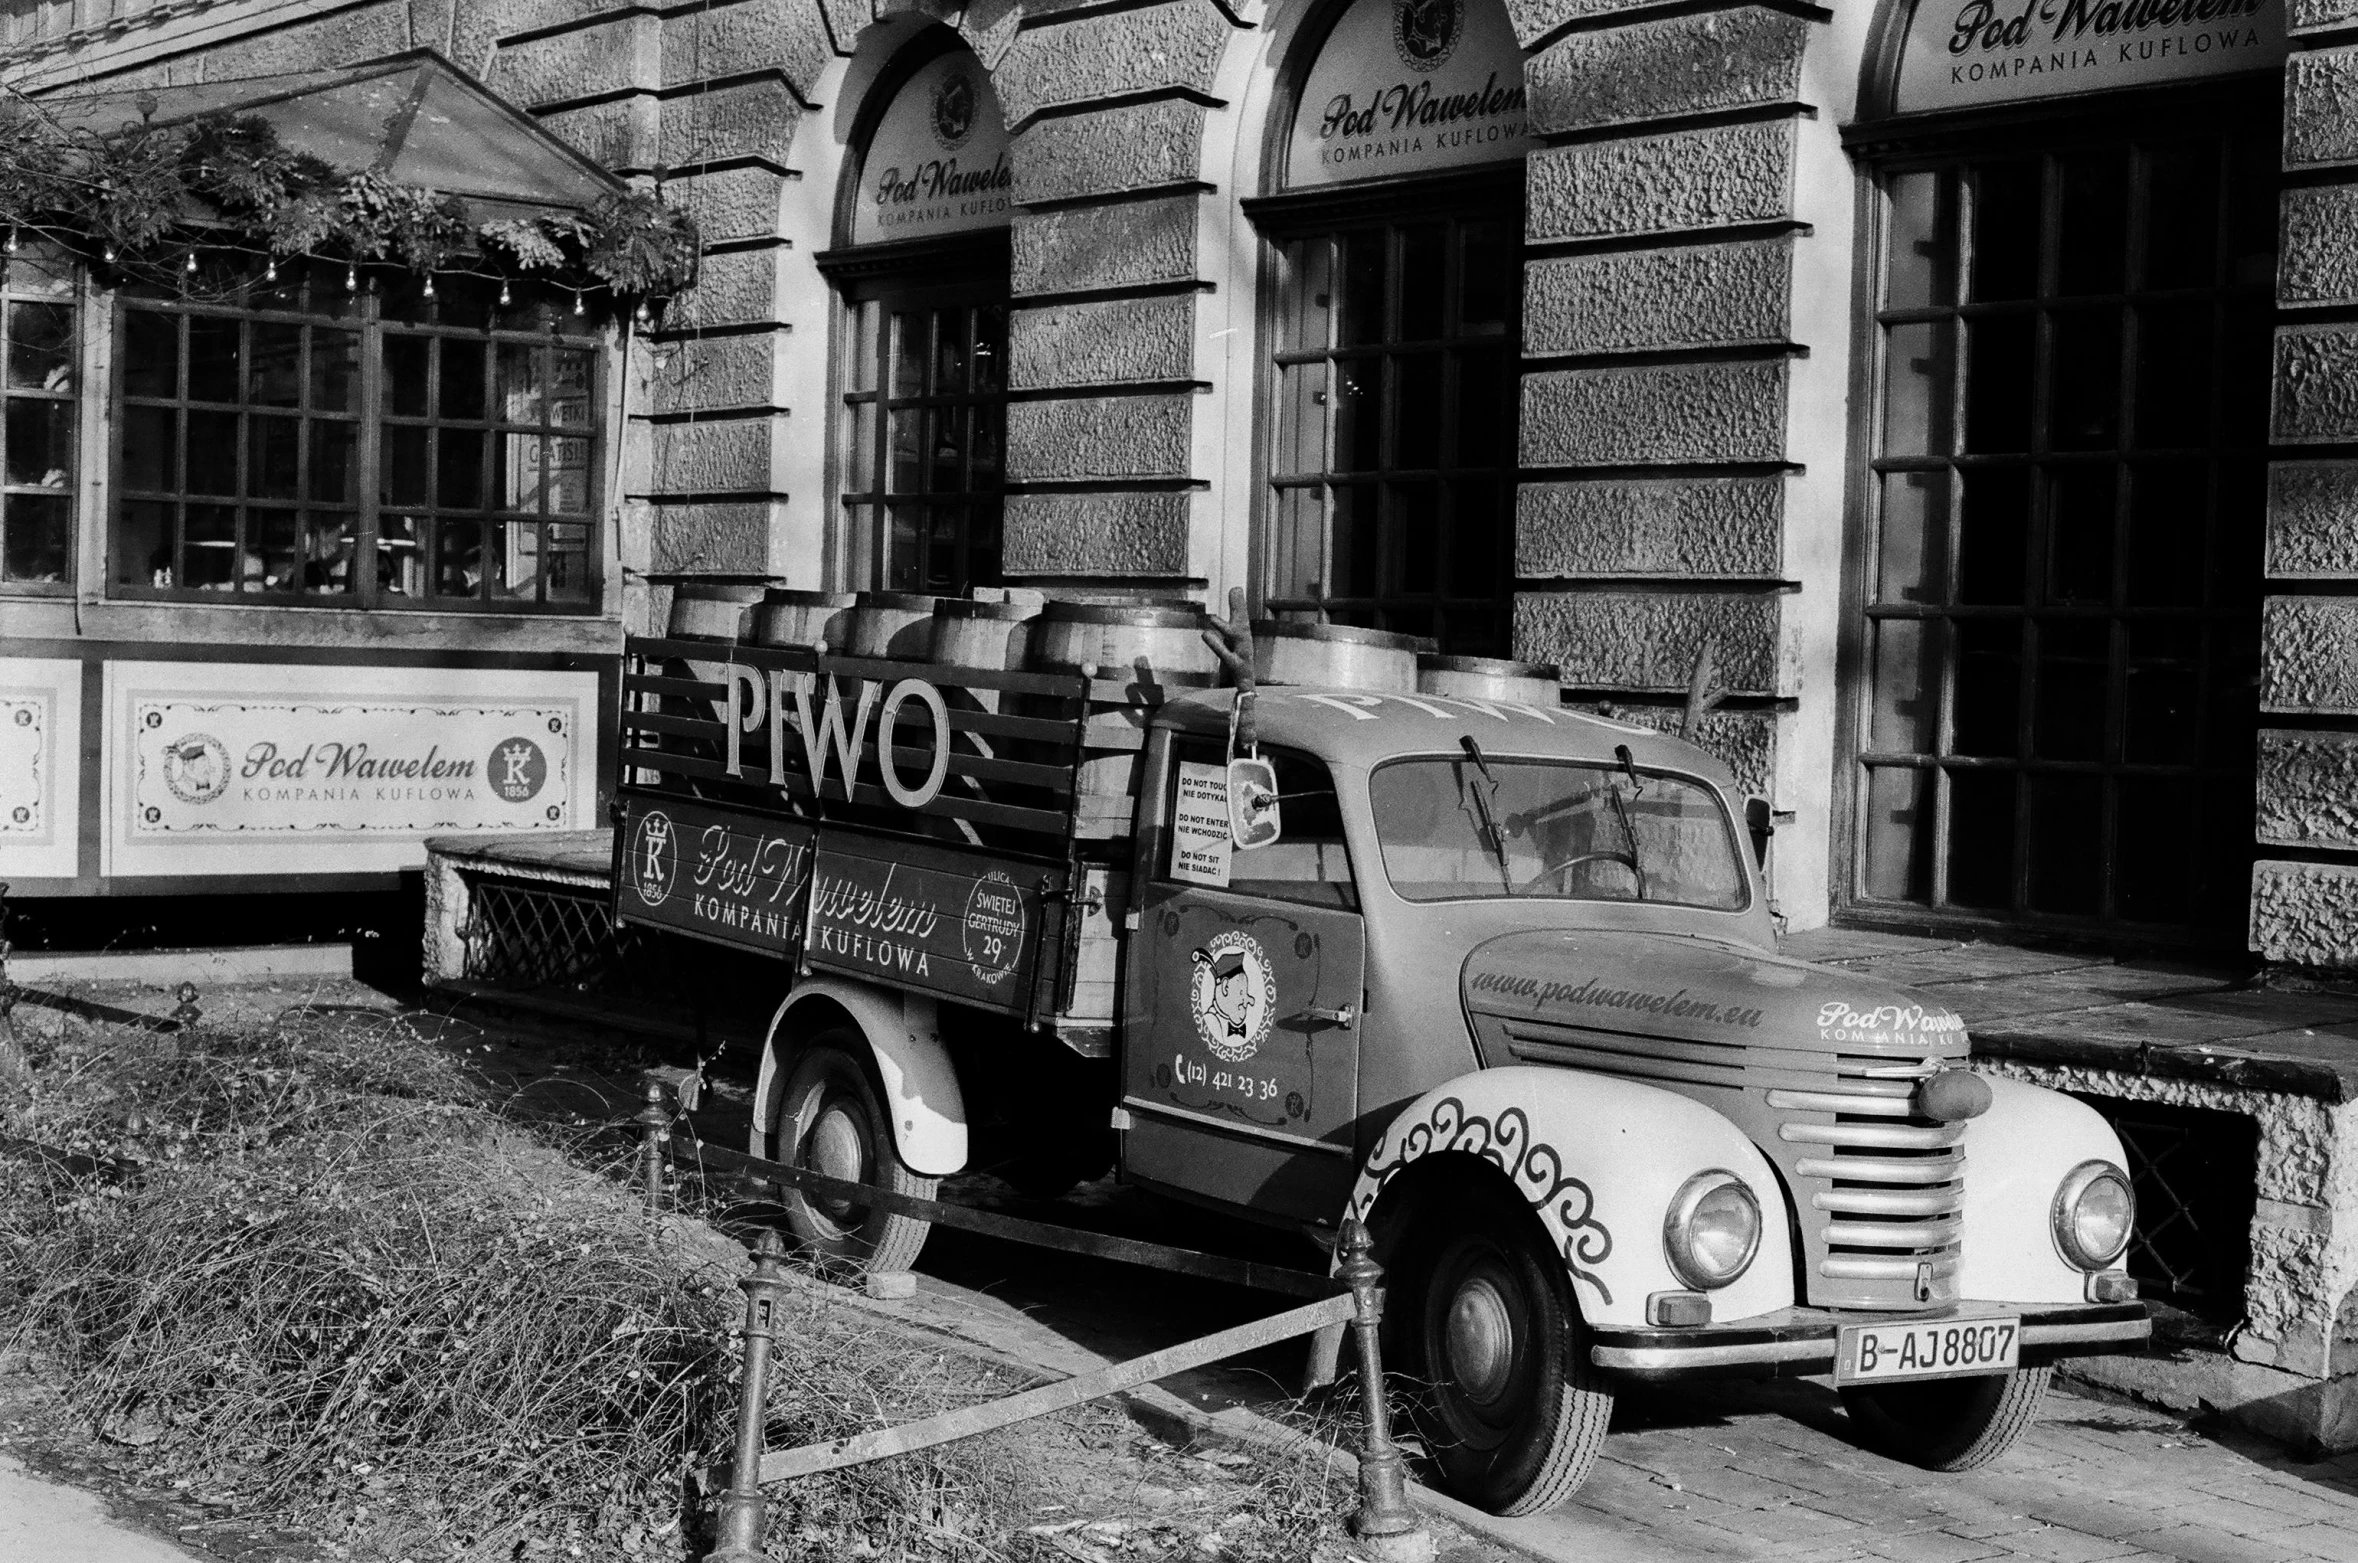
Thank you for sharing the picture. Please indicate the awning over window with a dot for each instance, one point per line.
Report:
(415, 119)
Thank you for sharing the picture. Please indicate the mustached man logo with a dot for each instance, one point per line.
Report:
(1233, 995)
(654, 857)
(518, 770)
(953, 110)
(1425, 32)
(196, 768)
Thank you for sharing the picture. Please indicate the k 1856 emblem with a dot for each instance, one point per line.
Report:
(1233, 995)
(654, 857)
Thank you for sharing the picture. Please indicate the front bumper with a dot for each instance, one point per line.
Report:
(1798, 1342)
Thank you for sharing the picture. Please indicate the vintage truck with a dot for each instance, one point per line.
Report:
(1504, 985)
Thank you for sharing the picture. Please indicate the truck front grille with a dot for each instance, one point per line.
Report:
(1887, 1186)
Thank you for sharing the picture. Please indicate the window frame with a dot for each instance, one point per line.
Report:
(1949, 141)
(372, 322)
(76, 300)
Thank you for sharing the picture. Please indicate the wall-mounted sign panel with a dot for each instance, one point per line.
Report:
(40, 767)
(1410, 87)
(1965, 53)
(239, 768)
(938, 160)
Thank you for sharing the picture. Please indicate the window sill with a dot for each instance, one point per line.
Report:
(181, 622)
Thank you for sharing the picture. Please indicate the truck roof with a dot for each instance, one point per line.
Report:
(1362, 728)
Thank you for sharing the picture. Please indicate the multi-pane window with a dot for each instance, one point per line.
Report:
(313, 443)
(925, 419)
(2062, 621)
(1393, 464)
(39, 345)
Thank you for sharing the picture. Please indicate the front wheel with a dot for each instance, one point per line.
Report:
(830, 1122)
(1508, 1402)
(1956, 1424)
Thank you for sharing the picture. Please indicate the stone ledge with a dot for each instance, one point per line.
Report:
(2326, 1071)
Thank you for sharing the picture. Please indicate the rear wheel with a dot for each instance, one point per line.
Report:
(1954, 1424)
(829, 1121)
(1484, 1319)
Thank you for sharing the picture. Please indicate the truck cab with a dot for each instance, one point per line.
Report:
(1505, 986)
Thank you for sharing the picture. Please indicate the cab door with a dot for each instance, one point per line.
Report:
(1241, 1052)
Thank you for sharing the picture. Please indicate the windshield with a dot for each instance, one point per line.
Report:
(1480, 826)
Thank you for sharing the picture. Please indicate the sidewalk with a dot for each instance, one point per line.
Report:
(43, 1522)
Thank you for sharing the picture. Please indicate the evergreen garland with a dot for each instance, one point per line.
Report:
(142, 201)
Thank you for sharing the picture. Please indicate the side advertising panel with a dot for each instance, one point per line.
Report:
(248, 768)
(916, 920)
(40, 767)
(725, 877)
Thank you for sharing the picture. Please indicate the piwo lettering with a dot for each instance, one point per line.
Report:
(789, 700)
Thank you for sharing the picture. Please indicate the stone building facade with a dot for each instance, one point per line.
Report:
(1757, 398)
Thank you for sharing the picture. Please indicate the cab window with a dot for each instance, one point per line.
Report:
(1308, 863)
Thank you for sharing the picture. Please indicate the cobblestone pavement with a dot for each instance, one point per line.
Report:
(1768, 1472)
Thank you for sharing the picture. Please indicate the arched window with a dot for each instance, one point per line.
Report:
(2060, 576)
(1396, 230)
(922, 267)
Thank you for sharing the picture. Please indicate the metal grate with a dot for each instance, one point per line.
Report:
(1895, 1182)
(532, 934)
(2195, 1171)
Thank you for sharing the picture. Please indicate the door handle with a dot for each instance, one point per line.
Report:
(1346, 1017)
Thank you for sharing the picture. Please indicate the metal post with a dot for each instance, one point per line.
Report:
(741, 1506)
(1386, 1526)
(654, 1122)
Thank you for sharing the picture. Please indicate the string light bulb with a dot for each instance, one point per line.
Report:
(503, 294)
(644, 315)
(578, 307)
(352, 279)
(429, 284)
(270, 269)
(192, 263)
(12, 241)
(110, 255)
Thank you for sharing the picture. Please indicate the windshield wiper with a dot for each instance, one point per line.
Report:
(1629, 830)
(1482, 807)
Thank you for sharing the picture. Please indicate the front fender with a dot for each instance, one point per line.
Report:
(2015, 1157)
(921, 1092)
(1599, 1161)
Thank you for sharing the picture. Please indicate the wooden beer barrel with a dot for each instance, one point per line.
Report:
(1341, 655)
(1151, 643)
(1490, 678)
(797, 618)
(712, 610)
(894, 625)
(969, 634)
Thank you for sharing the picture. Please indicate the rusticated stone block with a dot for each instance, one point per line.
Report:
(2309, 654)
(619, 133)
(755, 118)
(1690, 179)
(1096, 534)
(1095, 438)
(1648, 640)
(2321, 108)
(2316, 384)
(732, 537)
(733, 288)
(1659, 413)
(1127, 244)
(1743, 741)
(2308, 787)
(1535, 19)
(1156, 48)
(1134, 147)
(730, 203)
(585, 63)
(723, 456)
(1651, 526)
(1705, 295)
(786, 36)
(2305, 914)
(1118, 342)
(2319, 260)
(701, 374)
(2313, 518)
(1681, 65)
(478, 25)
(335, 40)
(2308, 16)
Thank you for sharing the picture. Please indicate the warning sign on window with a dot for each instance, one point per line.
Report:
(1199, 826)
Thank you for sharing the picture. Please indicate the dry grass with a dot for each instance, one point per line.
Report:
(316, 1280)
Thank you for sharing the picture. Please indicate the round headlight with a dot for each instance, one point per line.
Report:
(2094, 1214)
(1712, 1229)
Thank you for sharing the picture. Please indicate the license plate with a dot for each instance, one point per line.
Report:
(1937, 1348)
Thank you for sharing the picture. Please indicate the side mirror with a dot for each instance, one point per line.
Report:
(1760, 825)
(1253, 816)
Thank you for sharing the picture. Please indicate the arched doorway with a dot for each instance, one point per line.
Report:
(921, 266)
(2073, 251)
(1394, 224)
